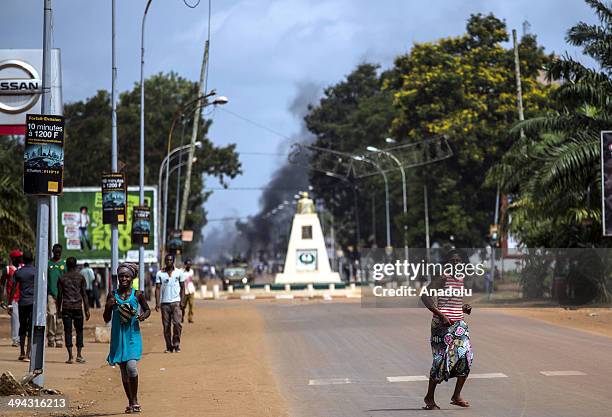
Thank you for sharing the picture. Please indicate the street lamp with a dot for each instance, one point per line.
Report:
(165, 163)
(141, 281)
(390, 140)
(355, 202)
(371, 162)
(403, 172)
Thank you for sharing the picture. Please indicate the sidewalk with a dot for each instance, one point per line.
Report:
(221, 371)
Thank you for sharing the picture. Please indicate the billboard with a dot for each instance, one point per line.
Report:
(83, 234)
(114, 204)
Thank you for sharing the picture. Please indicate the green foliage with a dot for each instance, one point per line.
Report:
(88, 142)
(15, 221)
(553, 172)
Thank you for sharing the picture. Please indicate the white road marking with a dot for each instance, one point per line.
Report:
(414, 378)
(562, 373)
(407, 378)
(329, 381)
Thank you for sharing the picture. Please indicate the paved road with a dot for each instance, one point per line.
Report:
(333, 359)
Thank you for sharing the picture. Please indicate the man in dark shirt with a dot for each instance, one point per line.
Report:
(71, 299)
(26, 278)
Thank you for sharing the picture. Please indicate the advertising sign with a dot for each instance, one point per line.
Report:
(114, 198)
(141, 225)
(84, 235)
(21, 87)
(43, 156)
(606, 182)
(306, 260)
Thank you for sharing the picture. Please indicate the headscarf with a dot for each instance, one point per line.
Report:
(129, 268)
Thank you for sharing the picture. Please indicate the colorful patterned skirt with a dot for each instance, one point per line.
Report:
(451, 349)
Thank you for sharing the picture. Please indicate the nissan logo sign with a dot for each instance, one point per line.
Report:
(20, 86)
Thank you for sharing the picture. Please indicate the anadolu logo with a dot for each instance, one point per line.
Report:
(20, 86)
(306, 258)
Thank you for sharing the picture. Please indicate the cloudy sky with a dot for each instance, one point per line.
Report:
(264, 53)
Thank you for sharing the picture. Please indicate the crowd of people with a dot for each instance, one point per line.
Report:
(72, 291)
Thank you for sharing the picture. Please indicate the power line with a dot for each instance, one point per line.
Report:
(256, 124)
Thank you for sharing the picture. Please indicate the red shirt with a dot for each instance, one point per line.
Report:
(10, 271)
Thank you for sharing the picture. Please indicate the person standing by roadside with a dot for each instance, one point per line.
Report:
(89, 276)
(189, 291)
(71, 300)
(84, 222)
(8, 281)
(126, 341)
(96, 290)
(25, 279)
(55, 270)
(169, 296)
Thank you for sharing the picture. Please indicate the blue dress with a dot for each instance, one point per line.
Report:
(126, 341)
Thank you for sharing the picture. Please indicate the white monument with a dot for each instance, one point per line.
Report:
(307, 261)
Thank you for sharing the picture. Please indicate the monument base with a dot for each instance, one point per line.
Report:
(308, 278)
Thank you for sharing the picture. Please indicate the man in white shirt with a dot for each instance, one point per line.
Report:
(189, 290)
(170, 296)
(83, 228)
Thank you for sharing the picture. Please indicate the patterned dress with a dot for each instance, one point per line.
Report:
(450, 346)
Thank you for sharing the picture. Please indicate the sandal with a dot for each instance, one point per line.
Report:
(69, 361)
(23, 359)
(432, 406)
(81, 360)
(136, 408)
(461, 403)
(128, 409)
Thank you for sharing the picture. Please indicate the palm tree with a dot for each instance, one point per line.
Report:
(554, 169)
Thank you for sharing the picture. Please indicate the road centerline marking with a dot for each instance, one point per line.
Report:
(415, 378)
(329, 381)
(562, 373)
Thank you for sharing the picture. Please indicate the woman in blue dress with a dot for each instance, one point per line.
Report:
(126, 342)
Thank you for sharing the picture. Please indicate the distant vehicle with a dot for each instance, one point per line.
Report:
(237, 272)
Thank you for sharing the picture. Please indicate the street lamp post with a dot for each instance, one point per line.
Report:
(141, 274)
(355, 202)
(405, 201)
(166, 191)
(163, 165)
(384, 175)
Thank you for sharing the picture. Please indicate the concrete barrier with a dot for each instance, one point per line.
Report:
(332, 287)
(353, 286)
(216, 291)
(203, 291)
(247, 288)
(287, 287)
(267, 288)
(230, 289)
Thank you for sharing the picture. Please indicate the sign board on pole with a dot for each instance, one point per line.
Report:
(141, 225)
(187, 236)
(43, 157)
(606, 182)
(84, 235)
(114, 198)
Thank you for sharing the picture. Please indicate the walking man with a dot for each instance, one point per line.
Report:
(189, 291)
(25, 278)
(8, 282)
(89, 276)
(169, 296)
(71, 300)
(55, 270)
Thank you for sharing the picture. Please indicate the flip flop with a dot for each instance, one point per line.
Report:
(430, 407)
(81, 360)
(128, 409)
(136, 408)
(461, 403)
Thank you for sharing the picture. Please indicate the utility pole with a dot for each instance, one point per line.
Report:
(194, 138)
(517, 73)
(141, 268)
(39, 320)
(114, 228)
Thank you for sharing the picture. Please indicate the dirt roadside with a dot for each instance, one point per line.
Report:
(221, 371)
(591, 320)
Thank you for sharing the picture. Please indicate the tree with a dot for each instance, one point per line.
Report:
(463, 89)
(88, 126)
